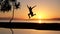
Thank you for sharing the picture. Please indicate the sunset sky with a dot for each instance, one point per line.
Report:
(45, 9)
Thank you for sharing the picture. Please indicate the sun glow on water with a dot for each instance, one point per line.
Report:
(40, 19)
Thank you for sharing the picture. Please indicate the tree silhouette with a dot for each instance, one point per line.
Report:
(5, 6)
(15, 5)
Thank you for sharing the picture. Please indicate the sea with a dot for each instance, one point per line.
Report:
(33, 21)
(29, 31)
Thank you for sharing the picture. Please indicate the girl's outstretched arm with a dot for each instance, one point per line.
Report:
(33, 6)
(27, 6)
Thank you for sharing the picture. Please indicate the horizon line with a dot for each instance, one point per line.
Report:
(29, 19)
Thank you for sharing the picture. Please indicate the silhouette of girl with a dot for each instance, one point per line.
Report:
(30, 10)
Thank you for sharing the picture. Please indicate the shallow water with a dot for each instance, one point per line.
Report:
(34, 21)
(27, 31)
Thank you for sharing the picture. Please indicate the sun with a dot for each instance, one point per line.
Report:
(39, 17)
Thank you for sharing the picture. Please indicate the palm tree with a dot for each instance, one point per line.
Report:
(15, 5)
(5, 6)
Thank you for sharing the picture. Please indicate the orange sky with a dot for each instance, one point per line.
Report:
(45, 9)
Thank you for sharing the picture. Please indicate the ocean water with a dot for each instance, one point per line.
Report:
(27, 31)
(33, 21)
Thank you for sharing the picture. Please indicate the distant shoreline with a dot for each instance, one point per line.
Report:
(29, 19)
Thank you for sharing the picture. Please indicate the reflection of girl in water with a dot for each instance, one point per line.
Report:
(30, 10)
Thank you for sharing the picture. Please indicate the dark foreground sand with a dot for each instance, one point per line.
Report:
(37, 26)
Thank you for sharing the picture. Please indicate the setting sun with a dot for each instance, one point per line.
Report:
(40, 15)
